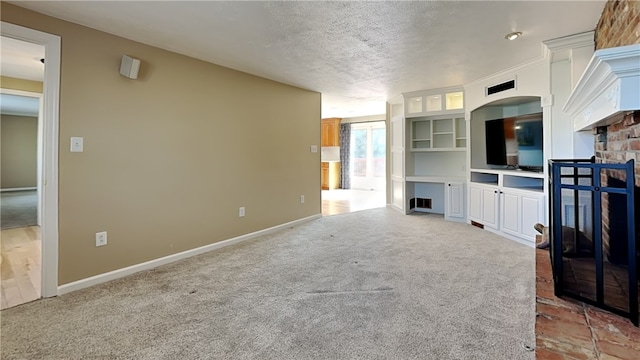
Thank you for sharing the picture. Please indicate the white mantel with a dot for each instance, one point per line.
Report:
(608, 89)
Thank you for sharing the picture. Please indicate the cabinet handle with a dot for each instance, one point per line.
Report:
(495, 191)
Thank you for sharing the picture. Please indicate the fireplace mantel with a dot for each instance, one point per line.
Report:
(607, 90)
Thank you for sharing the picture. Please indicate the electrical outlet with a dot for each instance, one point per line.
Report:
(241, 212)
(101, 238)
(301, 199)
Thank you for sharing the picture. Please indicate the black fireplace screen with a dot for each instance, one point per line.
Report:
(594, 246)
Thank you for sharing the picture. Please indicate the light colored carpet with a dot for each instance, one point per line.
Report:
(374, 284)
(18, 209)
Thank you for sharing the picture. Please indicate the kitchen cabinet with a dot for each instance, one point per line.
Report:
(330, 175)
(330, 132)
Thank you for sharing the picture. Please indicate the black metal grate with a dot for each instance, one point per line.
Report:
(511, 84)
(593, 235)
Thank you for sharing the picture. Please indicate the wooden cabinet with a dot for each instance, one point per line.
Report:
(330, 175)
(330, 134)
(324, 176)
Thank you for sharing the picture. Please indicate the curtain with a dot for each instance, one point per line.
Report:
(345, 155)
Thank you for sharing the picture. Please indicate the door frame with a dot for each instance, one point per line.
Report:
(49, 167)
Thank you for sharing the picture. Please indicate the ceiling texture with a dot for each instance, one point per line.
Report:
(357, 54)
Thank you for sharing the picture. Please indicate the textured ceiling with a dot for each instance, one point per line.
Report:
(357, 54)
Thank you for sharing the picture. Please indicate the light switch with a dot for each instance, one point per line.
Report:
(77, 144)
(314, 148)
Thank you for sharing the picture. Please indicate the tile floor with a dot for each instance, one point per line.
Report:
(568, 329)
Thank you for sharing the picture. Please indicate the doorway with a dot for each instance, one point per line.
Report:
(368, 156)
(367, 172)
(21, 245)
(13, 69)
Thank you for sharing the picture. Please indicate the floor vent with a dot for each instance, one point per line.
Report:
(511, 84)
(476, 224)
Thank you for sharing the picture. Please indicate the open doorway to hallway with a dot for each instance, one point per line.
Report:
(363, 169)
(21, 129)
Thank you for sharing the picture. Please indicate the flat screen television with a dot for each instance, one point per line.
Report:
(515, 142)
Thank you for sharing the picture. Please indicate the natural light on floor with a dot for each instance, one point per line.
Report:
(341, 201)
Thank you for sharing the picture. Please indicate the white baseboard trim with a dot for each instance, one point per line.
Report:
(511, 237)
(18, 189)
(116, 274)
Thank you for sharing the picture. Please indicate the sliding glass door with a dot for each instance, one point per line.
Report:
(368, 156)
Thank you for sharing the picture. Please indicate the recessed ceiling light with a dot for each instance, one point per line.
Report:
(512, 36)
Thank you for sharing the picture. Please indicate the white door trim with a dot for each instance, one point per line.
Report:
(49, 184)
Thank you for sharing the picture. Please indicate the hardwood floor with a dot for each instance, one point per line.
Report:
(20, 274)
(341, 201)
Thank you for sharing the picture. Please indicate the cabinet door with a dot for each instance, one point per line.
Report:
(490, 207)
(511, 213)
(334, 175)
(330, 134)
(454, 201)
(520, 211)
(324, 176)
(532, 212)
(475, 203)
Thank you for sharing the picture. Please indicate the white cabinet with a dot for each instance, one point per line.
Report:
(454, 201)
(507, 204)
(521, 210)
(484, 205)
(433, 102)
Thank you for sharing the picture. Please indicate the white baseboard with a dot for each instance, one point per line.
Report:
(18, 189)
(116, 274)
(511, 237)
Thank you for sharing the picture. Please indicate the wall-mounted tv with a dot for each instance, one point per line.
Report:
(515, 142)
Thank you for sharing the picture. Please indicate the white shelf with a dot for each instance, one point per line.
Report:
(440, 134)
(517, 180)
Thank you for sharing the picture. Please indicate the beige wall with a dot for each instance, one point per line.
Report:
(7, 82)
(170, 157)
(19, 135)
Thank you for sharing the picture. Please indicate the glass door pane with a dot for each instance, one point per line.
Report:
(359, 152)
(379, 152)
(368, 156)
